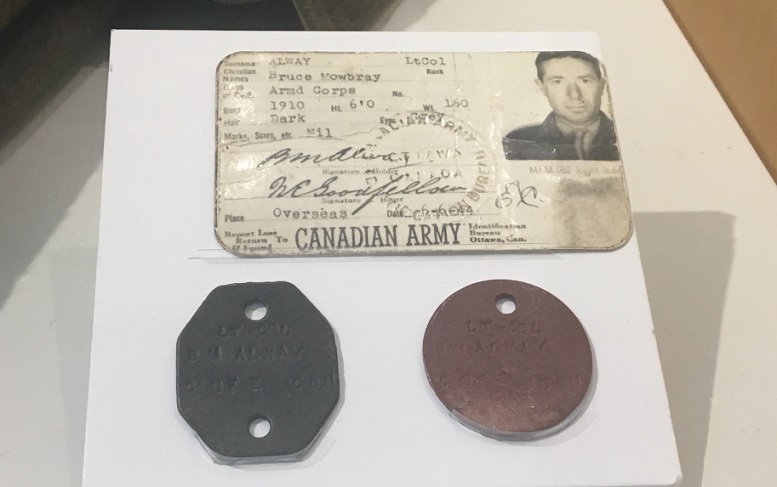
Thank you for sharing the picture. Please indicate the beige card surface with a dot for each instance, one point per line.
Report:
(385, 153)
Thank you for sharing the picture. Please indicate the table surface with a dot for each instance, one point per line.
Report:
(704, 209)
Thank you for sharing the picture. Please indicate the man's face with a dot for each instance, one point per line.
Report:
(573, 89)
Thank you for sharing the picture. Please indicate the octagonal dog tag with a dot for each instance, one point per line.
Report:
(257, 373)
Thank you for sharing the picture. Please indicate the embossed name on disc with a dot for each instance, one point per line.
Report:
(352, 153)
(510, 373)
(257, 388)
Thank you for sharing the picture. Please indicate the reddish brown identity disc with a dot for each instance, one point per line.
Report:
(508, 359)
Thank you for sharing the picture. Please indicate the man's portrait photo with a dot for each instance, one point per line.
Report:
(576, 127)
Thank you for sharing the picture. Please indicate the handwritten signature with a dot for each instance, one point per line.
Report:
(328, 189)
(515, 195)
(340, 155)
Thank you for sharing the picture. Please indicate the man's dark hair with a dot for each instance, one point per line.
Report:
(548, 55)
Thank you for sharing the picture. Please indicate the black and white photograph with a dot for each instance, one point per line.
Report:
(576, 127)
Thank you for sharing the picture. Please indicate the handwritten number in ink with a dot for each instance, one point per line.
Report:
(515, 195)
